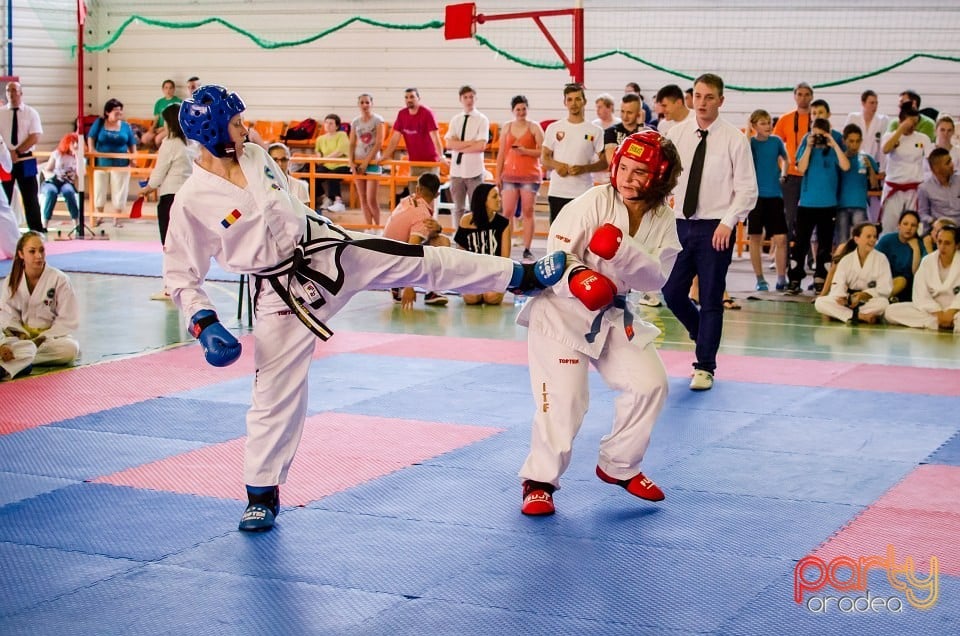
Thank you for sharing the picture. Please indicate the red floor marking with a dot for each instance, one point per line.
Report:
(358, 342)
(912, 533)
(338, 451)
(28, 402)
(782, 371)
(72, 247)
(761, 370)
(930, 487)
(70, 393)
(61, 395)
(463, 349)
(919, 517)
(893, 379)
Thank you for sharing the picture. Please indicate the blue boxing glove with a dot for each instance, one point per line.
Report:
(531, 278)
(220, 348)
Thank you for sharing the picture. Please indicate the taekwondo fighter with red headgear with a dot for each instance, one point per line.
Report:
(236, 208)
(618, 237)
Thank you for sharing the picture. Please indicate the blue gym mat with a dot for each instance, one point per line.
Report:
(948, 453)
(756, 478)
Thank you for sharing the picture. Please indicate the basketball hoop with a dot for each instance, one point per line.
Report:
(460, 21)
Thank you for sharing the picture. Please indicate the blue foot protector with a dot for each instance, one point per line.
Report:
(257, 518)
(262, 511)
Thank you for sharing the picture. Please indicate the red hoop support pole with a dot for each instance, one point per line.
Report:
(576, 65)
(81, 167)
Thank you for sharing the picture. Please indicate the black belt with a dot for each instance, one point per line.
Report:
(296, 268)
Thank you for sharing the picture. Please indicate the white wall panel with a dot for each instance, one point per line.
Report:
(747, 42)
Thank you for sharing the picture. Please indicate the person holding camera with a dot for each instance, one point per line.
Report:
(820, 160)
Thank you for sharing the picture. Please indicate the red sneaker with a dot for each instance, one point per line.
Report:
(537, 499)
(638, 485)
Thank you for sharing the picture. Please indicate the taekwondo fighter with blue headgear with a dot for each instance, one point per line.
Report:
(237, 208)
(619, 237)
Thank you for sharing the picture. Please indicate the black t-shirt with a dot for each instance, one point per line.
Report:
(487, 241)
(617, 133)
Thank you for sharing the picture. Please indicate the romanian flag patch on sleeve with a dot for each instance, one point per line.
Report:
(230, 219)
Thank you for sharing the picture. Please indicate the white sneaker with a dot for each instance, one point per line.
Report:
(702, 380)
(650, 299)
(337, 206)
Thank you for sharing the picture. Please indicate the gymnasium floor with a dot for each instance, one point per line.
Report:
(120, 481)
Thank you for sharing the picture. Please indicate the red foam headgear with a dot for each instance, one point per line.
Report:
(643, 146)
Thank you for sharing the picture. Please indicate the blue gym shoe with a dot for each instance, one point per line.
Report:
(530, 278)
(762, 286)
(781, 286)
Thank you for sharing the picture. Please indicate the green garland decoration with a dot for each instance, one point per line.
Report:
(437, 24)
(747, 89)
(262, 43)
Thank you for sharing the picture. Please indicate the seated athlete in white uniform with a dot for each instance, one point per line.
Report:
(237, 208)
(936, 289)
(861, 280)
(38, 312)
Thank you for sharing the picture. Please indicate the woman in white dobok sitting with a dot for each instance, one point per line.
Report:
(861, 281)
(936, 289)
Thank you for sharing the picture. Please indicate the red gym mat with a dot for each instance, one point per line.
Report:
(338, 451)
(919, 517)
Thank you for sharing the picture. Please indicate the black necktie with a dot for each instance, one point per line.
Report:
(692, 196)
(14, 133)
(463, 132)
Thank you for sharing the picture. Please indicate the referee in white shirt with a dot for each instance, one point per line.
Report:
(20, 129)
(716, 190)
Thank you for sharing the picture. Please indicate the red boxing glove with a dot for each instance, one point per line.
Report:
(606, 241)
(593, 289)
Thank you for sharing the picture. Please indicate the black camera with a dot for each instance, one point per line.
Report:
(820, 140)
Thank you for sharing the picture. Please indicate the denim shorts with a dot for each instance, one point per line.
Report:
(513, 185)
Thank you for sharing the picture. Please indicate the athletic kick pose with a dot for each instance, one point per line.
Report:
(236, 208)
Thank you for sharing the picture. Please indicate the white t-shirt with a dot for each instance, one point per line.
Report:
(575, 145)
(477, 128)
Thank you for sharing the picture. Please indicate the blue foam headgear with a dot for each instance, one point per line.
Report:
(205, 118)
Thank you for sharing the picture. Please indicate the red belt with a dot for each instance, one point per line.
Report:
(902, 187)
